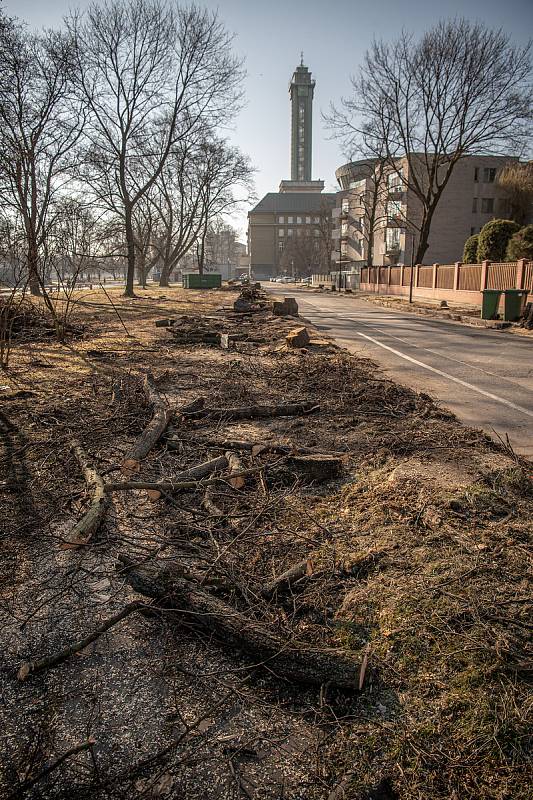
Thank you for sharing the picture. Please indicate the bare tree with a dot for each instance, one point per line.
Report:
(150, 74)
(225, 171)
(461, 89)
(40, 123)
(517, 182)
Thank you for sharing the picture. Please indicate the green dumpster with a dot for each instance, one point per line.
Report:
(192, 280)
(491, 301)
(514, 303)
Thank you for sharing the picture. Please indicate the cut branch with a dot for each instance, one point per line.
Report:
(31, 667)
(91, 521)
(257, 412)
(153, 431)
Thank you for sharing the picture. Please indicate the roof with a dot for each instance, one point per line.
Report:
(275, 202)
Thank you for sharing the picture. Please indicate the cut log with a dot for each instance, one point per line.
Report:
(257, 412)
(153, 431)
(164, 323)
(317, 467)
(236, 478)
(286, 579)
(296, 661)
(299, 337)
(82, 532)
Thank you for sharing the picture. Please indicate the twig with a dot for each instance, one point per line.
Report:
(27, 784)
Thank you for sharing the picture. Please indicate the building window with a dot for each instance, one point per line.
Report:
(476, 174)
(308, 220)
(345, 205)
(290, 231)
(316, 232)
(281, 245)
(489, 175)
(298, 220)
(393, 239)
(394, 209)
(344, 228)
(281, 220)
(281, 232)
(394, 180)
(316, 220)
(474, 205)
(290, 220)
(487, 205)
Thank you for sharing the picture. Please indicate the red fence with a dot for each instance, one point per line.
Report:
(459, 282)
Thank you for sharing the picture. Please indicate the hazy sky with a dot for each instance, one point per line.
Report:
(333, 34)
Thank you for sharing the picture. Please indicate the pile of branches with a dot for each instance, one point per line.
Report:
(22, 319)
(240, 615)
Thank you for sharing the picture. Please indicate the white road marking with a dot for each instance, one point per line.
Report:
(447, 376)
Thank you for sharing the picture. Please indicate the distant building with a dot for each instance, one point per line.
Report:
(290, 231)
(470, 199)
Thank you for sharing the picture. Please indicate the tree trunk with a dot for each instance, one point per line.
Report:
(164, 280)
(130, 239)
(33, 270)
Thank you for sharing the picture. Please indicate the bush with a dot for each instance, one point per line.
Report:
(470, 250)
(494, 238)
(521, 244)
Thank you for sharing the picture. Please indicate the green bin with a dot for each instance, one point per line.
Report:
(491, 301)
(514, 304)
(192, 280)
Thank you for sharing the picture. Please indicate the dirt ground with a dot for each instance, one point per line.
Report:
(417, 573)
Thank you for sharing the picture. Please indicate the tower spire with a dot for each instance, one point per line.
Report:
(302, 58)
(301, 90)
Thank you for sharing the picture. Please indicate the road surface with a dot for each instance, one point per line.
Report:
(485, 377)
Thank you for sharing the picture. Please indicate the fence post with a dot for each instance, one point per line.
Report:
(521, 273)
(484, 274)
(434, 276)
(415, 275)
(388, 276)
(457, 267)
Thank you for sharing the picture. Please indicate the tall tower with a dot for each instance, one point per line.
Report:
(301, 90)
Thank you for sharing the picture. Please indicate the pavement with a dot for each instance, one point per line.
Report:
(485, 377)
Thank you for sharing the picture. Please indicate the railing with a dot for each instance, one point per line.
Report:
(425, 277)
(462, 282)
(502, 275)
(445, 276)
(528, 276)
(395, 276)
(469, 277)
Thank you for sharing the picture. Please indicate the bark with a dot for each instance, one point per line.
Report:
(92, 519)
(153, 431)
(295, 661)
(257, 412)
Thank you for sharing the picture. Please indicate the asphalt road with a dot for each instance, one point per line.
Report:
(485, 377)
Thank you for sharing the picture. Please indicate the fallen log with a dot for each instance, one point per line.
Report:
(92, 519)
(296, 661)
(286, 579)
(193, 474)
(152, 432)
(257, 412)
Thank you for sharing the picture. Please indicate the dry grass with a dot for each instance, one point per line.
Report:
(418, 560)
